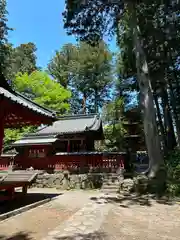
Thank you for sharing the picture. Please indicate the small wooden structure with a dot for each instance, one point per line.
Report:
(12, 180)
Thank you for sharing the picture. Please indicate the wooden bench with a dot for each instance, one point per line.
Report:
(12, 180)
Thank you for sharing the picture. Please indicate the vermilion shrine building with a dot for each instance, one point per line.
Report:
(67, 144)
(69, 134)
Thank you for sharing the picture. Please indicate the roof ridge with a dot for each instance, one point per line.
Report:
(89, 127)
(34, 135)
(29, 100)
(76, 116)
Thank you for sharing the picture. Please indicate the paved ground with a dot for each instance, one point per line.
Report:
(78, 215)
(36, 223)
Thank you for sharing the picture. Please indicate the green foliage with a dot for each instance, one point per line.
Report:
(93, 74)
(4, 47)
(39, 87)
(113, 129)
(114, 137)
(24, 58)
(173, 173)
(87, 71)
(60, 65)
(12, 135)
(43, 90)
(81, 18)
(21, 59)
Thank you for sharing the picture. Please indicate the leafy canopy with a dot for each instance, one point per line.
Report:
(39, 87)
(114, 130)
(43, 90)
(87, 71)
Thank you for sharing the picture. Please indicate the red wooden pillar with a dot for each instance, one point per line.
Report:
(2, 118)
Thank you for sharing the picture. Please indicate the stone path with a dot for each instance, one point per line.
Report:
(36, 223)
(85, 215)
(84, 224)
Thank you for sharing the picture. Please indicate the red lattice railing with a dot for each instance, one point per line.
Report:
(5, 162)
(73, 162)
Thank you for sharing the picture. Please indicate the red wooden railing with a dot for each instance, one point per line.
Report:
(5, 162)
(97, 161)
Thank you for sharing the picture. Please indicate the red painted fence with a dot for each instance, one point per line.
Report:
(98, 161)
(5, 162)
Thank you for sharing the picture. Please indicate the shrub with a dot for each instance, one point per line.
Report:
(173, 173)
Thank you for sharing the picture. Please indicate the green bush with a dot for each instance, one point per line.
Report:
(173, 173)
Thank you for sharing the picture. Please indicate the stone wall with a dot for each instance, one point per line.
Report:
(68, 181)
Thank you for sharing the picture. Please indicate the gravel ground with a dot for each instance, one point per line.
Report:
(132, 221)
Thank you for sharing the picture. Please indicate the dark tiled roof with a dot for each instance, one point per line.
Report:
(72, 124)
(20, 99)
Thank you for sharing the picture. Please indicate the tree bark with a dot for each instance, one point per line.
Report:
(175, 114)
(170, 135)
(96, 101)
(84, 103)
(161, 126)
(146, 99)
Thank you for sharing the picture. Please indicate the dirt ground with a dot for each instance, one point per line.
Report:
(142, 220)
(137, 219)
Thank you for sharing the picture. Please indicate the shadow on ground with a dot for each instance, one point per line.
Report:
(21, 201)
(18, 236)
(90, 236)
(132, 199)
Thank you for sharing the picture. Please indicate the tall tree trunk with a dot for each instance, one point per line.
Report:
(175, 114)
(149, 113)
(170, 135)
(95, 100)
(161, 126)
(84, 103)
(167, 59)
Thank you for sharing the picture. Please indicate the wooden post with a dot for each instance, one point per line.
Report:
(11, 192)
(68, 146)
(82, 146)
(24, 190)
(2, 118)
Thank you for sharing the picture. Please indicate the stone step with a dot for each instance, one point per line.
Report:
(115, 176)
(110, 187)
(111, 176)
(112, 184)
(111, 180)
(109, 190)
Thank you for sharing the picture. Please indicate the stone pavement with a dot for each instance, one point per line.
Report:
(91, 215)
(84, 224)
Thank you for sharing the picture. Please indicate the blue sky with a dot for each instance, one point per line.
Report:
(40, 22)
